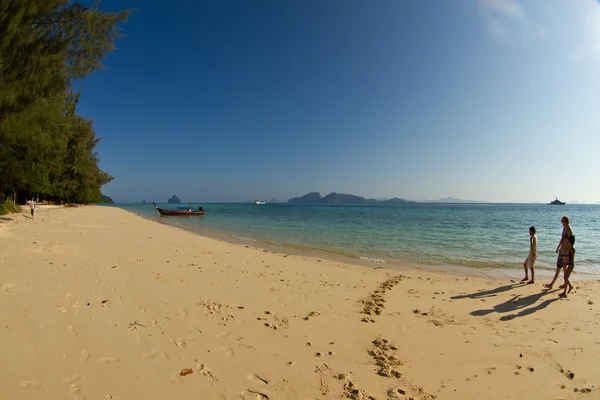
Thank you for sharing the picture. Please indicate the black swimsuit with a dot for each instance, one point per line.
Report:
(560, 262)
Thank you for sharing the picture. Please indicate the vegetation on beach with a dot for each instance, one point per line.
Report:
(105, 199)
(46, 147)
(9, 207)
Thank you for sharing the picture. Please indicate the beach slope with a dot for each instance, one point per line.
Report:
(98, 303)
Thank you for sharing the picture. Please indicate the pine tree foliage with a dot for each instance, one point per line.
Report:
(45, 147)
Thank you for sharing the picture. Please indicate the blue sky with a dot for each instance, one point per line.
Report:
(231, 100)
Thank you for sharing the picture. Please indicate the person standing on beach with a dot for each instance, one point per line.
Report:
(562, 249)
(530, 260)
(32, 206)
(569, 264)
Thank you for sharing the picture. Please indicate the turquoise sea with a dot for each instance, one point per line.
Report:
(468, 235)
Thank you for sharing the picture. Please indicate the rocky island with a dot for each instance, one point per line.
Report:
(174, 200)
(341, 198)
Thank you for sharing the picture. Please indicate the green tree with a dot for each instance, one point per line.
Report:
(44, 46)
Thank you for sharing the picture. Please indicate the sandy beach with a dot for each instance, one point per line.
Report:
(98, 303)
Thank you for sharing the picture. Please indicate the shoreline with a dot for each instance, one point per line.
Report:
(96, 302)
(453, 270)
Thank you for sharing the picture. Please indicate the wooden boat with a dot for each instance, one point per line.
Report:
(556, 202)
(189, 211)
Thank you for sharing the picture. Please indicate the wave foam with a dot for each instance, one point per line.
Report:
(373, 259)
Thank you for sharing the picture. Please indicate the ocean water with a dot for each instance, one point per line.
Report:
(468, 235)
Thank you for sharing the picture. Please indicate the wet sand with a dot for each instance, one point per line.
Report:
(98, 303)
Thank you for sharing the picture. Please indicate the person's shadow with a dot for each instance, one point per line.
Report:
(517, 303)
(530, 310)
(487, 293)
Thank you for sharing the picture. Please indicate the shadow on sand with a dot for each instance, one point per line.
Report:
(519, 303)
(530, 310)
(487, 293)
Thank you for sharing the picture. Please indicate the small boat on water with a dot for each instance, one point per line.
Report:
(556, 202)
(259, 202)
(188, 211)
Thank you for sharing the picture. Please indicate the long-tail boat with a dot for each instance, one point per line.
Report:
(189, 211)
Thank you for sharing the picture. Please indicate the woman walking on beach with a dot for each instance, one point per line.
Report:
(530, 260)
(562, 249)
(569, 264)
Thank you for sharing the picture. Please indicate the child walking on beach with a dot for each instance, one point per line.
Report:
(530, 260)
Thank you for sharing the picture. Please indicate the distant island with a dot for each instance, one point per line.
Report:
(341, 198)
(174, 200)
(143, 202)
(105, 200)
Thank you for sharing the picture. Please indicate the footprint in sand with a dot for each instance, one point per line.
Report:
(76, 392)
(257, 379)
(29, 385)
(72, 330)
(84, 357)
(204, 371)
(71, 379)
(311, 314)
(353, 392)
(107, 360)
(150, 354)
(396, 393)
(179, 342)
(229, 352)
(194, 329)
(254, 394)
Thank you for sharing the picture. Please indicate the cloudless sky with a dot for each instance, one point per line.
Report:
(232, 100)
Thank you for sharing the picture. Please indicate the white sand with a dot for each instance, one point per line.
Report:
(97, 303)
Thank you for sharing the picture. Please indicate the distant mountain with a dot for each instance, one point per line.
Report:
(174, 200)
(143, 202)
(341, 198)
(312, 197)
(396, 200)
(105, 200)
